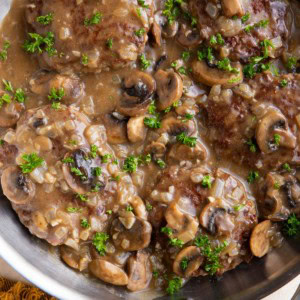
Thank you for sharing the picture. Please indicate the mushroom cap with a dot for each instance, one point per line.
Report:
(10, 113)
(232, 8)
(108, 272)
(194, 258)
(138, 88)
(169, 88)
(136, 129)
(174, 126)
(16, 186)
(213, 76)
(259, 240)
(167, 30)
(187, 36)
(139, 271)
(116, 128)
(273, 123)
(136, 237)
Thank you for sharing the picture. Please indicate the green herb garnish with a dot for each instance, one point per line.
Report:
(94, 20)
(46, 19)
(32, 161)
(186, 140)
(99, 241)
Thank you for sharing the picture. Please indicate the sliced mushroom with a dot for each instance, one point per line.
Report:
(116, 128)
(138, 88)
(188, 37)
(10, 113)
(16, 186)
(193, 260)
(259, 240)
(184, 225)
(216, 220)
(76, 259)
(136, 129)
(233, 8)
(156, 149)
(212, 76)
(156, 33)
(108, 272)
(167, 30)
(8, 154)
(274, 123)
(139, 272)
(181, 152)
(42, 83)
(169, 88)
(135, 238)
(174, 126)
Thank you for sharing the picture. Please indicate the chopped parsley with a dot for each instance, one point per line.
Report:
(93, 151)
(130, 164)
(174, 285)
(32, 161)
(238, 207)
(3, 52)
(205, 53)
(105, 158)
(276, 185)
(129, 208)
(149, 207)
(78, 173)
(82, 197)
(145, 63)
(155, 274)
(8, 86)
(96, 187)
(245, 17)
(172, 10)
(184, 263)
(140, 32)
(56, 94)
(182, 70)
(5, 99)
(167, 230)
(187, 117)
(84, 59)
(74, 209)
(109, 43)
(292, 226)
(225, 65)
(217, 39)
(142, 4)
(186, 140)
(68, 160)
(252, 176)
(94, 20)
(212, 264)
(153, 123)
(114, 178)
(46, 19)
(252, 145)
(97, 171)
(160, 163)
(99, 241)
(109, 212)
(152, 108)
(185, 55)
(276, 139)
(291, 63)
(176, 242)
(287, 167)
(260, 24)
(37, 44)
(283, 83)
(84, 223)
(20, 96)
(55, 105)
(206, 181)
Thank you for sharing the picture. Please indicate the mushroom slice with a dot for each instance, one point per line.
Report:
(259, 240)
(188, 37)
(139, 272)
(156, 149)
(215, 219)
(108, 272)
(233, 8)
(138, 88)
(16, 186)
(169, 88)
(135, 238)
(116, 128)
(274, 123)
(167, 30)
(136, 129)
(174, 126)
(187, 261)
(212, 76)
(10, 113)
(181, 152)
(184, 225)
(76, 259)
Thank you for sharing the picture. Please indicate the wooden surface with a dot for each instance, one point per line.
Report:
(285, 293)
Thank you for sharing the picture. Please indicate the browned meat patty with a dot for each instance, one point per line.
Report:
(243, 24)
(91, 36)
(245, 126)
(198, 201)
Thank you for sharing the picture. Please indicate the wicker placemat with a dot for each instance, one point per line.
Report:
(10, 290)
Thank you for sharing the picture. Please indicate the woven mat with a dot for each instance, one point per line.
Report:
(10, 290)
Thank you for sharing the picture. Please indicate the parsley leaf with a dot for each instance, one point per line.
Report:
(292, 226)
(140, 32)
(144, 62)
(3, 52)
(32, 161)
(20, 96)
(74, 209)
(84, 223)
(161, 163)
(225, 65)
(186, 140)
(109, 43)
(94, 20)
(253, 175)
(8, 86)
(172, 10)
(142, 4)
(206, 181)
(184, 263)
(153, 123)
(130, 164)
(37, 44)
(174, 285)
(245, 17)
(99, 241)
(82, 197)
(46, 19)
(252, 145)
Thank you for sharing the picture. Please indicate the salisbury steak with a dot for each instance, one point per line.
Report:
(88, 36)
